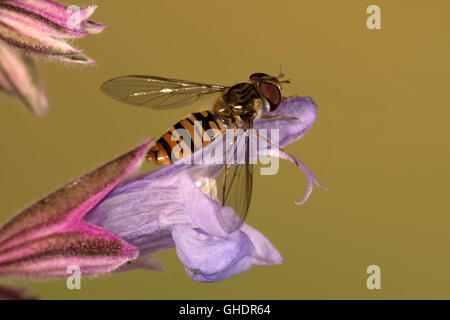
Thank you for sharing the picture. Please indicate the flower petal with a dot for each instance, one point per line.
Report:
(309, 175)
(210, 259)
(290, 130)
(266, 253)
(49, 236)
(143, 211)
(203, 210)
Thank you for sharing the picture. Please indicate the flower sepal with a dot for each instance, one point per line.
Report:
(50, 236)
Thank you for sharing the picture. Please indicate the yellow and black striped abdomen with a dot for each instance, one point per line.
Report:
(186, 135)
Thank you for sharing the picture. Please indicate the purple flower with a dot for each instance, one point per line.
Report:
(165, 209)
(107, 218)
(38, 27)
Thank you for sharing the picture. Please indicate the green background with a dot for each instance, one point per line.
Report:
(380, 142)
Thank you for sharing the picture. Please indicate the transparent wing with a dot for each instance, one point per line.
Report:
(235, 184)
(156, 92)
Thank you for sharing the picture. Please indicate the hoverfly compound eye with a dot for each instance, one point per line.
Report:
(257, 76)
(272, 94)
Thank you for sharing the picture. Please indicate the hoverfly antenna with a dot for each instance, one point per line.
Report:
(281, 75)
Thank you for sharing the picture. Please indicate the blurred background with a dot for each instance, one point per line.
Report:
(380, 143)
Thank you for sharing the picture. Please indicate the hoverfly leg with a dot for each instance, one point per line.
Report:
(277, 147)
(278, 116)
(224, 181)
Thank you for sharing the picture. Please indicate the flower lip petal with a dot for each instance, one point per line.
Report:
(266, 253)
(210, 259)
(202, 210)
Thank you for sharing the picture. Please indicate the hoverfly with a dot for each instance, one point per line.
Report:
(236, 108)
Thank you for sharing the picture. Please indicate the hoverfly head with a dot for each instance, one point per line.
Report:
(269, 87)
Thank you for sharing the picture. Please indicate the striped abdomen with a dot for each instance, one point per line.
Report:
(186, 135)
